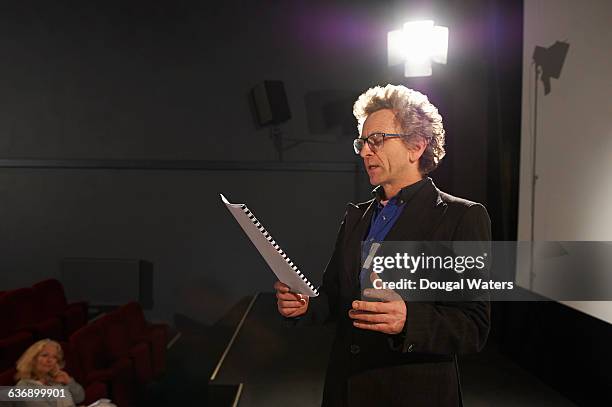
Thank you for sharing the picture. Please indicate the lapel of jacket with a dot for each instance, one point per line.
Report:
(357, 234)
(420, 217)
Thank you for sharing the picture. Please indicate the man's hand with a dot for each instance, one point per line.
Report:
(388, 316)
(290, 304)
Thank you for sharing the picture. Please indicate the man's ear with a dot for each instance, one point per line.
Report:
(417, 147)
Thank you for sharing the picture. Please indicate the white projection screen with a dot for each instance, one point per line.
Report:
(572, 131)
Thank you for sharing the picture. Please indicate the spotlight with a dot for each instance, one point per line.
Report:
(417, 45)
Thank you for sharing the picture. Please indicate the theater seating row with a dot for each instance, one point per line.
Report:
(122, 350)
(115, 356)
(38, 312)
(33, 313)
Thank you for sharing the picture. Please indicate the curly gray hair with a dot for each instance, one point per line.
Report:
(415, 114)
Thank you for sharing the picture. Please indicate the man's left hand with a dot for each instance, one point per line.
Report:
(388, 316)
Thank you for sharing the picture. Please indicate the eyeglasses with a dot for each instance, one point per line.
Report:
(374, 140)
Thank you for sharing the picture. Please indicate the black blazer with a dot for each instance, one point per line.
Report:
(415, 367)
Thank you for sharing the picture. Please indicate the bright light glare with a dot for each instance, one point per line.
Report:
(396, 51)
(417, 45)
(439, 44)
(417, 38)
(415, 67)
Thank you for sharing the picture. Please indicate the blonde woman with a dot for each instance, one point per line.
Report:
(41, 366)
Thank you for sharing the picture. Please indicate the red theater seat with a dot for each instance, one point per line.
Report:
(7, 377)
(139, 330)
(25, 313)
(12, 347)
(118, 346)
(53, 300)
(94, 390)
(12, 343)
(95, 364)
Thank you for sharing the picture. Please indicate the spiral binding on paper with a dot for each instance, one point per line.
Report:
(280, 251)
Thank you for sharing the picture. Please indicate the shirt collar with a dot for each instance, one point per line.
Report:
(404, 195)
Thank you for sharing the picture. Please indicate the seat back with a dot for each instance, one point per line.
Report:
(73, 366)
(7, 377)
(116, 335)
(20, 305)
(133, 316)
(90, 353)
(12, 347)
(51, 296)
(6, 318)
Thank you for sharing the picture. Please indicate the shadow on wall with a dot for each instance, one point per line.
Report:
(330, 111)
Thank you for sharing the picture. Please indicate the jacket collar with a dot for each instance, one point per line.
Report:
(421, 215)
(423, 212)
(405, 194)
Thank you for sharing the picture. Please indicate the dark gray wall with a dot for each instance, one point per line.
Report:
(203, 262)
(169, 81)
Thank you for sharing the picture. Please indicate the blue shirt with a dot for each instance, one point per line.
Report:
(383, 219)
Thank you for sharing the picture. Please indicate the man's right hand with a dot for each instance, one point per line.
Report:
(290, 304)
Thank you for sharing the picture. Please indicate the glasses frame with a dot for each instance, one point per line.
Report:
(360, 142)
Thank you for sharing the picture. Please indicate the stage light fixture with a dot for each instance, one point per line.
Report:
(417, 45)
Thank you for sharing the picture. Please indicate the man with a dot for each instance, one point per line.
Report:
(395, 352)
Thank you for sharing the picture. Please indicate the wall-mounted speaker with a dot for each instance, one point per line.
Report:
(271, 103)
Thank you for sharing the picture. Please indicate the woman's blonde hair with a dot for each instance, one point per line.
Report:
(27, 362)
(415, 114)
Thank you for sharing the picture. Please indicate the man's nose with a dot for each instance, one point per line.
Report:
(366, 151)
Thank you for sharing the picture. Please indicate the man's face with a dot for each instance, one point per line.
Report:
(390, 163)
